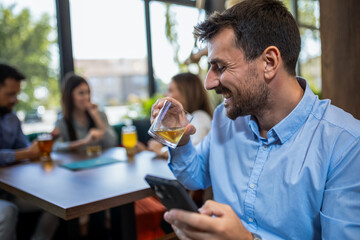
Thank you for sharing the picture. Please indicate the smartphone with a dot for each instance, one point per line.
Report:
(171, 193)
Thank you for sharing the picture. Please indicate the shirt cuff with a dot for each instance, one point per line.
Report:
(180, 155)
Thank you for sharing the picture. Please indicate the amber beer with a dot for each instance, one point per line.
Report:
(45, 143)
(172, 135)
(170, 123)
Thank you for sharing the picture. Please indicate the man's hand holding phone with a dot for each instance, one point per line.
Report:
(212, 221)
(215, 221)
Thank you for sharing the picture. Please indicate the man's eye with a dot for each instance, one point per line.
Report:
(221, 68)
(218, 68)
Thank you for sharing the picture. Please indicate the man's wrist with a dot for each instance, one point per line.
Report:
(184, 140)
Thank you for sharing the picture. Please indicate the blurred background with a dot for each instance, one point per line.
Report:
(127, 49)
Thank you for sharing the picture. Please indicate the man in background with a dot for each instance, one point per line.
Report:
(14, 146)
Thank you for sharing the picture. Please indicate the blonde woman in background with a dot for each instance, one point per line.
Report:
(188, 89)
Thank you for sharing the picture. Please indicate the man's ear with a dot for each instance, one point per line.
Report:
(272, 59)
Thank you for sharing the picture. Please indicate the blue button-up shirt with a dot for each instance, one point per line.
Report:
(301, 182)
(11, 137)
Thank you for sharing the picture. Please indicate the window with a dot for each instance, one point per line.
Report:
(109, 49)
(169, 55)
(309, 63)
(28, 33)
(310, 55)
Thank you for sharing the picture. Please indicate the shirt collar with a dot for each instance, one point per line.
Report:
(291, 123)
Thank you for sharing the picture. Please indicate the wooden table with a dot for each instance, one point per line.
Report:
(71, 194)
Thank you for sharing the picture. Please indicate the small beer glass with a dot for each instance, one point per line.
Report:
(45, 142)
(169, 125)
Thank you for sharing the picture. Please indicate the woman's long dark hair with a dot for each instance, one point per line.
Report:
(70, 82)
(191, 87)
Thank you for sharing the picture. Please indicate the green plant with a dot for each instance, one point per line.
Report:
(141, 108)
(25, 43)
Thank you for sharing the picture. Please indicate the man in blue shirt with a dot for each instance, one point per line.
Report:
(282, 163)
(13, 144)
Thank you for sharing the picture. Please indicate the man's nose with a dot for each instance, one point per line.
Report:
(211, 81)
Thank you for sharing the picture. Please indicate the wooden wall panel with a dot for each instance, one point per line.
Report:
(340, 46)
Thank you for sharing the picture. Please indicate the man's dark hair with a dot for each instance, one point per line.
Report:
(257, 24)
(7, 71)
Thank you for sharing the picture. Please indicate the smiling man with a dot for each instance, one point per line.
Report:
(282, 163)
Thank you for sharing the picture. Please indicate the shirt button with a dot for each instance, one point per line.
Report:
(265, 147)
(251, 219)
(252, 185)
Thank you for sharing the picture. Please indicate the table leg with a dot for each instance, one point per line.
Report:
(68, 230)
(123, 222)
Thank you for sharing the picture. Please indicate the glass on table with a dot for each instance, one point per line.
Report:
(129, 140)
(45, 143)
(169, 125)
(93, 149)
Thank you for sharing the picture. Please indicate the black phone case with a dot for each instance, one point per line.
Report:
(171, 193)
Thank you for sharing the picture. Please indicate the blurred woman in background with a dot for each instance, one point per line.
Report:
(188, 89)
(82, 123)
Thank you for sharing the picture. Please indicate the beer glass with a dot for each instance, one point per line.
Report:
(169, 125)
(129, 140)
(45, 143)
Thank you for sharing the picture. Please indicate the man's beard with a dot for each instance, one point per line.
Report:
(5, 110)
(249, 101)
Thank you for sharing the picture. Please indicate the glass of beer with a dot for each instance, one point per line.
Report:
(169, 125)
(45, 143)
(129, 140)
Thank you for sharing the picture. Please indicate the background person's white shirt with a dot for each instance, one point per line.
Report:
(202, 123)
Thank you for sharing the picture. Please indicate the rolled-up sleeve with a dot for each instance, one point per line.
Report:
(12, 138)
